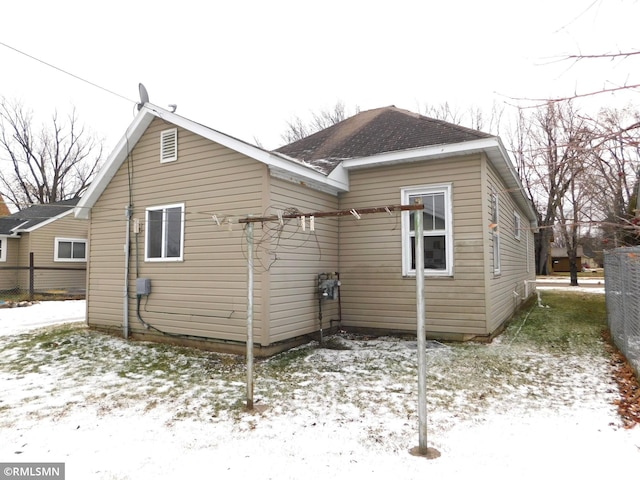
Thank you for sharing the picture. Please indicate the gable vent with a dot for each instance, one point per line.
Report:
(169, 145)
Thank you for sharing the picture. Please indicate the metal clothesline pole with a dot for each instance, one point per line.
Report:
(421, 449)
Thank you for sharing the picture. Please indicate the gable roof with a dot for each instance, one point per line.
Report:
(382, 130)
(36, 216)
(279, 165)
(389, 135)
(323, 160)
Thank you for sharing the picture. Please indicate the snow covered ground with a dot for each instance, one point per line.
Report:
(588, 285)
(350, 415)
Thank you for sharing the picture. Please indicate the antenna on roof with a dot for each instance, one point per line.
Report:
(144, 96)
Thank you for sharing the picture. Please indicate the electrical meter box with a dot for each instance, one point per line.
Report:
(143, 286)
(328, 286)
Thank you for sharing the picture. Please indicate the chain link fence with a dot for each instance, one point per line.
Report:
(36, 281)
(622, 288)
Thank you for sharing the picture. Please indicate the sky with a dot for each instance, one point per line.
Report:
(247, 67)
(106, 422)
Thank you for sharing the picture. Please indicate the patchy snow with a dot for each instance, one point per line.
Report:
(23, 319)
(350, 414)
(585, 285)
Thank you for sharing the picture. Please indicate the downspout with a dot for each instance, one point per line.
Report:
(125, 303)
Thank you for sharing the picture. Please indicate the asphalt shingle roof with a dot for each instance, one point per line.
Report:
(34, 215)
(372, 132)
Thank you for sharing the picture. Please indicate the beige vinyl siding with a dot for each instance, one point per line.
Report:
(9, 276)
(205, 295)
(301, 256)
(41, 242)
(374, 293)
(507, 290)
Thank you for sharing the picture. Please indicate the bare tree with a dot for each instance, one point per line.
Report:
(297, 128)
(550, 147)
(55, 162)
(472, 117)
(616, 178)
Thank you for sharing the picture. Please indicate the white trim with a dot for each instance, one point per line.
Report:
(298, 171)
(56, 243)
(163, 257)
(492, 147)
(169, 138)
(405, 194)
(517, 225)
(495, 231)
(43, 224)
(282, 166)
(4, 243)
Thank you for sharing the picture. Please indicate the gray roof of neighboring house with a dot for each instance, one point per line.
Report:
(372, 132)
(33, 216)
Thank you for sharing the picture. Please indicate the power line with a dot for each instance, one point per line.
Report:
(67, 73)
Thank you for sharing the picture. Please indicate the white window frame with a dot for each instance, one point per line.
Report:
(517, 225)
(447, 232)
(495, 230)
(167, 136)
(163, 257)
(56, 245)
(3, 249)
(526, 239)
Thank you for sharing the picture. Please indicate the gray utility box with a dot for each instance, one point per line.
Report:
(328, 286)
(143, 286)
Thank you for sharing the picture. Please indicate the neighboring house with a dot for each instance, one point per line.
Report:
(45, 243)
(559, 260)
(174, 191)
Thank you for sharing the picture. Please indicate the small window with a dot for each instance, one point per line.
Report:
(169, 145)
(164, 239)
(516, 226)
(437, 230)
(70, 250)
(495, 231)
(3, 249)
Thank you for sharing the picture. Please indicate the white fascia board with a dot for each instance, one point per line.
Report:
(42, 224)
(417, 154)
(323, 185)
(501, 160)
(298, 171)
(492, 147)
(114, 161)
(340, 176)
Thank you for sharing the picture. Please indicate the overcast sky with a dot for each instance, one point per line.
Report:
(246, 67)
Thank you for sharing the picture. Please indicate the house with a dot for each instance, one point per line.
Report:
(43, 248)
(177, 195)
(559, 259)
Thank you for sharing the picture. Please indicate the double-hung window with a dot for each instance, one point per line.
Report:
(70, 249)
(3, 249)
(164, 239)
(437, 230)
(517, 226)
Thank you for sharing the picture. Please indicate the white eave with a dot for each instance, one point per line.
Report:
(18, 229)
(492, 147)
(279, 165)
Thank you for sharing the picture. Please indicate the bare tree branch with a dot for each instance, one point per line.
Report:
(56, 163)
